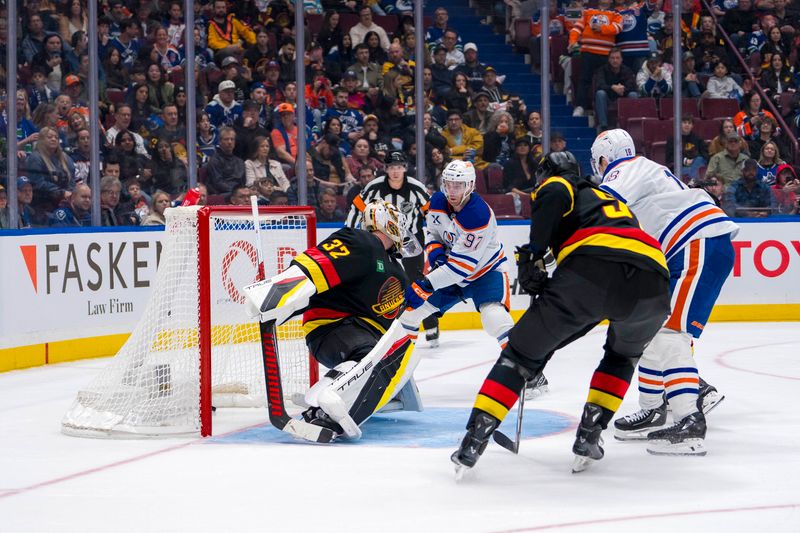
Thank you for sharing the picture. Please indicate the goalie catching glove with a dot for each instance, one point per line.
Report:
(530, 270)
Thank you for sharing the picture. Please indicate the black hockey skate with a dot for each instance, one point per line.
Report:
(588, 441)
(708, 397)
(684, 438)
(474, 443)
(536, 387)
(318, 417)
(636, 426)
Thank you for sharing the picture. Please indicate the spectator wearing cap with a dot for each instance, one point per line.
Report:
(472, 68)
(370, 77)
(726, 165)
(284, 135)
(491, 86)
(272, 83)
(231, 70)
(223, 110)
(27, 215)
(76, 211)
(465, 143)
(455, 57)
(352, 120)
(74, 88)
(366, 25)
(355, 98)
(691, 84)
(258, 94)
(785, 190)
(557, 142)
(225, 170)
(226, 33)
(329, 163)
(612, 81)
(441, 75)
(655, 77)
(478, 116)
(694, 153)
(247, 128)
(748, 196)
(379, 141)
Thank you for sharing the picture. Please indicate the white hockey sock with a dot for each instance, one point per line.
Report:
(651, 387)
(679, 372)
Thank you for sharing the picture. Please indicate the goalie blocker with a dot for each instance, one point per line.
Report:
(349, 289)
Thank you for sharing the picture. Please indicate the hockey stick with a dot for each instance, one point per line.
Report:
(278, 416)
(501, 438)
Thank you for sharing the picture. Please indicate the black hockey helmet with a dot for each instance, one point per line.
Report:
(557, 164)
(396, 158)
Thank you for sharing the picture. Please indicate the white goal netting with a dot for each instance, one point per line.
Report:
(153, 385)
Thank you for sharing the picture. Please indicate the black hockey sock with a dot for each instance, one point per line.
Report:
(500, 391)
(610, 383)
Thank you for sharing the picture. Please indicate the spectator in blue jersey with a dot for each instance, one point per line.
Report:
(472, 68)
(223, 110)
(76, 211)
(612, 81)
(633, 40)
(207, 137)
(127, 42)
(38, 91)
(352, 120)
(434, 34)
(757, 38)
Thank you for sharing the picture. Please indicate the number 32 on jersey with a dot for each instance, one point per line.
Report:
(613, 208)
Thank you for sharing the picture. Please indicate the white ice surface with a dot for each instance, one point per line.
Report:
(749, 481)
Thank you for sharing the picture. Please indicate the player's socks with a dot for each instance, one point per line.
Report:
(637, 425)
(588, 441)
(684, 438)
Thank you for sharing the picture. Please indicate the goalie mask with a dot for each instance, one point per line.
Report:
(458, 182)
(382, 216)
(611, 145)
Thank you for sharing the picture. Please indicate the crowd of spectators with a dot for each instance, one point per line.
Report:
(625, 52)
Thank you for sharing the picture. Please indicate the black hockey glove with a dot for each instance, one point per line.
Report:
(530, 270)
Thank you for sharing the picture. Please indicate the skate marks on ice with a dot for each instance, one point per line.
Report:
(436, 427)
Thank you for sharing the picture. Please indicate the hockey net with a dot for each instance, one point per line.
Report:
(194, 345)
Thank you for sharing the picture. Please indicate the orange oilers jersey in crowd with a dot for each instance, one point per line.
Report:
(573, 218)
(596, 42)
(355, 277)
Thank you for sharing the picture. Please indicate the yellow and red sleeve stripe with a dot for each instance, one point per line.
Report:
(632, 240)
(319, 267)
(607, 391)
(496, 399)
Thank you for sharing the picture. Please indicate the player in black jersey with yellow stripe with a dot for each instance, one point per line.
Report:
(608, 268)
(349, 289)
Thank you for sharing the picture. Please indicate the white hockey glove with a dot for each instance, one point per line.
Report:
(279, 297)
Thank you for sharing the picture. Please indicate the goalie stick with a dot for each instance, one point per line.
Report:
(276, 407)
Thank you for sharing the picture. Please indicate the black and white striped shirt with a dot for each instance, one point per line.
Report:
(411, 199)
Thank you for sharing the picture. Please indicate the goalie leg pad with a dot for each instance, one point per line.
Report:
(407, 399)
(496, 321)
(279, 297)
(312, 395)
(361, 391)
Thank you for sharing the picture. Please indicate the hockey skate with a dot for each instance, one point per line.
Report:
(536, 387)
(636, 426)
(432, 336)
(318, 417)
(684, 438)
(473, 444)
(588, 441)
(708, 397)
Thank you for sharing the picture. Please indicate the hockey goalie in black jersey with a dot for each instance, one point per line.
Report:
(608, 268)
(348, 289)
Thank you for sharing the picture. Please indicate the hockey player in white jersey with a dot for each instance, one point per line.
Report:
(695, 236)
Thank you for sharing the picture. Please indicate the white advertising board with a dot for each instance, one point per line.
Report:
(60, 286)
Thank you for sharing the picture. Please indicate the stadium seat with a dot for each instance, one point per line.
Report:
(688, 106)
(347, 21)
(314, 24)
(635, 108)
(657, 131)
(636, 127)
(707, 129)
(494, 178)
(503, 206)
(216, 199)
(658, 152)
(202, 171)
(177, 77)
(719, 108)
(341, 203)
(785, 104)
(526, 207)
(387, 22)
(115, 96)
(558, 47)
(480, 182)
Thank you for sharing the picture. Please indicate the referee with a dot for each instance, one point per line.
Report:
(411, 198)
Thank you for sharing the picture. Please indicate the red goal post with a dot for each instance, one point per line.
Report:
(194, 346)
